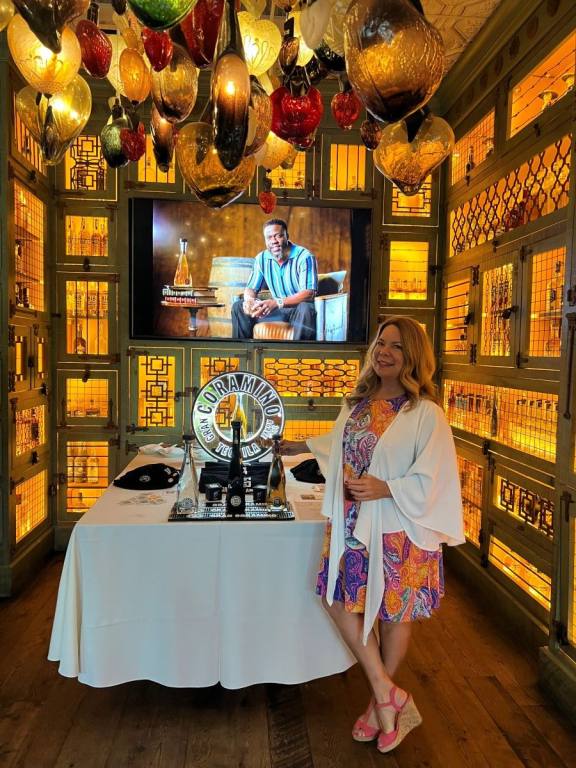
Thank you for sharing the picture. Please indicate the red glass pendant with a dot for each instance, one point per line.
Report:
(267, 199)
(96, 48)
(158, 47)
(296, 117)
(346, 108)
(200, 31)
(133, 142)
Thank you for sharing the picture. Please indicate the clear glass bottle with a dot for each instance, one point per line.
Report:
(182, 276)
(239, 414)
(93, 468)
(236, 494)
(187, 487)
(276, 490)
(80, 346)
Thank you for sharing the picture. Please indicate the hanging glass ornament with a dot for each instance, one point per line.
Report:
(296, 117)
(119, 6)
(304, 52)
(134, 75)
(50, 141)
(329, 59)
(230, 91)
(133, 142)
(159, 48)
(162, 133)
(175, 88)
(161, 14)
(27, 108)
(110, 138)
(47, 18)
(316, 71)
(7, 10)
(305, 143)
(314, 19)
(44, 70)
(259, 117)
(200, 30)
(200, 165)
(267, 199)
(345, 106)
(130, 29)
(288, 55)
(334, 32)
(94, 44)
(289, 161)
(113, 76)
(261, 40)
(71, 108)
(371, 132)
(273, 153)
(407, 162)
(255, 7)
(394, 57)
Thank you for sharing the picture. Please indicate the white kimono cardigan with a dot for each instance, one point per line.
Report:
(417, 458)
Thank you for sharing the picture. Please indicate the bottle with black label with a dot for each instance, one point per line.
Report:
(235, 494)
(187, 499)
(276, 490)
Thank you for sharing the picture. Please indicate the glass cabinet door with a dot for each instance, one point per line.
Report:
(88, 310)
(459, 310)
(158, 398)
(499, 302)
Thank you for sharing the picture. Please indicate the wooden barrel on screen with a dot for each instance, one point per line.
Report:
(229, 275)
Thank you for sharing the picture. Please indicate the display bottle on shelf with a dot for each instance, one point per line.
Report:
(276, 486)
(182, 276)
(104, 241)
(494, 418)
(80, 346)
(555, 289)
(34, 429)
(69, 237)
(81, 465)
(239, 414)
(96, 241)
(19, 257)
(84, 239)
(236, 494)
(92, 468)
(187, 487)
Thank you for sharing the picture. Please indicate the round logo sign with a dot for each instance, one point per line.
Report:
(241, 396)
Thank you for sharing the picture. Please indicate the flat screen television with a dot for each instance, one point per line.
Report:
(221, 246)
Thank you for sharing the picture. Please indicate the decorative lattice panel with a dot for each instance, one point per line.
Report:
(408, 270)
(214, 366)
(471, 480)
(546, 303)
(87, 317)
(519, 418)
(290, 178)
(148, 171)
(86, 472)
(414, 206)
(347, 168)
(536, 188)
(31, 504)
(87, 399)
(30, 429)
(156, 389)
(456, 318)
(551, 80)
(84, 165)
(311, 377)
(525, 505)
(301, 429)
(496, 302)
(521, 572)
(87, 236)
(473, 148)
(25, 143)
(28, 249)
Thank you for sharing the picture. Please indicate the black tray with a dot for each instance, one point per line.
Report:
(217, 511)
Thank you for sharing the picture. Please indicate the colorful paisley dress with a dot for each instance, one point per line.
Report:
(414, 578)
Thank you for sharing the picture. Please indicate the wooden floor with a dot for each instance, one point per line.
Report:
(475, 687)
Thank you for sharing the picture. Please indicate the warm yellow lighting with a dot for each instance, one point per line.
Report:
(304, 53)
(6, 13)
(134, 75)
(273, 153)
(230, 88)
(262, 41)
(45, 71)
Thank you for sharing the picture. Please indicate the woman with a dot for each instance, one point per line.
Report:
(392, 498)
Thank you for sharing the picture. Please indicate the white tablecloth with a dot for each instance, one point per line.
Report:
(193, 604)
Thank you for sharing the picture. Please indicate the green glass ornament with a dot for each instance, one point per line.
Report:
(161, 14)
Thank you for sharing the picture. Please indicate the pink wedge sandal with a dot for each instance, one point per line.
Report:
(362, 730)
(407, 718)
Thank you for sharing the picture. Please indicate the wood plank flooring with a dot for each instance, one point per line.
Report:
(475, 687)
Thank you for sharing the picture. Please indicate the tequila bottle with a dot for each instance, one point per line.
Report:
(182, 276)
(188, 483)
(236, 494)
(276, 491)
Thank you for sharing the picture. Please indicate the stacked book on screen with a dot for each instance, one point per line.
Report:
(188, 295)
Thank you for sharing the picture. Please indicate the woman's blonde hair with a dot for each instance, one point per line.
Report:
(417, 371)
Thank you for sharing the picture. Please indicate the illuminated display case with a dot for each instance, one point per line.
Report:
(346, 168)
(29, 506)
(84, 173)
(408, 261)
(293, 179)
(87, 397)
(86, 235)
(159, 403)
(30, 431)
(89, 315)
(28, 292)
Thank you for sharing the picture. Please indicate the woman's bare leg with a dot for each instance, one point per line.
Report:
(394, 642)
(350, 626)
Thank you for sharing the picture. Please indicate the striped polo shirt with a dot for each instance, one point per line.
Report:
(298, 273)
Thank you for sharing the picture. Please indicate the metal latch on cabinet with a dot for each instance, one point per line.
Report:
(132, 429)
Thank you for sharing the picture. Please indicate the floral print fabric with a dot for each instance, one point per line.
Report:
(414, 579)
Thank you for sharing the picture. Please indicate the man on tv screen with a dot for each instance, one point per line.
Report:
(290, 273)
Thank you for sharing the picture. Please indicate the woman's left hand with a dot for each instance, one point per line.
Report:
(368, 488)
